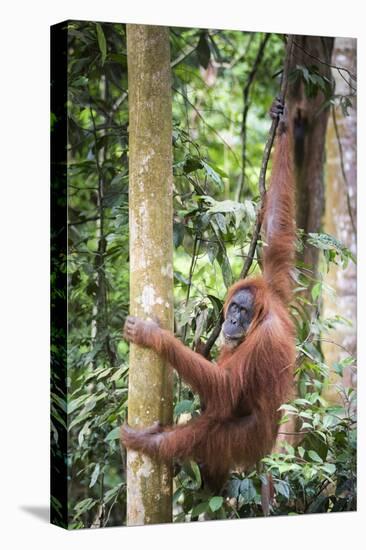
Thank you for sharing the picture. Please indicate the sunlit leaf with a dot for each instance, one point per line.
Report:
(215, 503)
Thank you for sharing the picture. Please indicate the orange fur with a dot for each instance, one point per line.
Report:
(243, 392)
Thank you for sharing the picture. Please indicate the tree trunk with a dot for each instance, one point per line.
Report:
(340, 213)
(310, 124)
(149, 483)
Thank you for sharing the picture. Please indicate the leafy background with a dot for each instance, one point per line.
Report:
(215, 194)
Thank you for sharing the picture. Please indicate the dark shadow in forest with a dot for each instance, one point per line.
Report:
(40, 512)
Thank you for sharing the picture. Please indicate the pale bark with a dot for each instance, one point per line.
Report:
(149, 483)
(340, 215)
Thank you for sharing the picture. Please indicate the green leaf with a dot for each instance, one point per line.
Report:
(305, 73)
(306, 414)
(196, 472)
(59, 401)
(218, 170)
(191, 479)
(339, 367)
(216, 302)
(178, 234)
(301, 401)
(113, 434)
(306, 426)
(216, 50)
(79, 82)
(283, 488)
(191, 164)
(345, 103)
(119, 374)
(112, 492)
(184, 406)
(283, 420)
(80, 418)
(212, 251)
(177, 494)
(104, 373)
(289, 408)
(282, 468)
(247, 490)
(53, 120)
(329, 421)
(329, 468)
(90, 403)
(83, 506)
(227, 274)
(101, 42)
(213, 174)
(316, 290)
(326, 242)
(95, 475)
(314, 456)
(215, 503)
(201, 508)
(57, 417)
(221, 222)
(241, 210)
(84, 430)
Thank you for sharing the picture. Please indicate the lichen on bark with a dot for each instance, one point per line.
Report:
(151, 257)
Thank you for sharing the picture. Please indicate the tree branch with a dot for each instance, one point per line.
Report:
(208, 125)
(339, 69)
(343, 169)
(265, 160)
(246, 93)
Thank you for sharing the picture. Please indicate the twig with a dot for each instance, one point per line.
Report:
(263, 171)
(324, 484)
(100, 189)
(83, 188)
(243, 55)
(350, 353)
(349, 206)
(339, 69)
(261, 184)
(246, 93)
(102, 299)
(189, 286)
(122, 486)
(253, 243)
(116, 105)
(190, 277)
(208, 125)
(182, 56)
(85, 220)
(295, 433)
(213, 336)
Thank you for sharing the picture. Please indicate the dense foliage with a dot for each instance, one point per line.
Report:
(223, 85)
